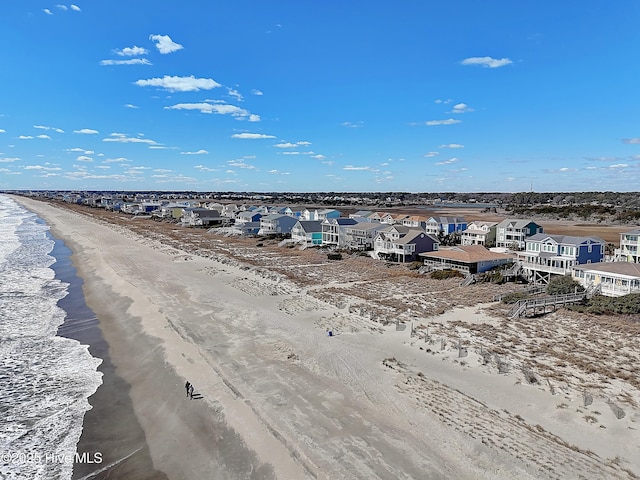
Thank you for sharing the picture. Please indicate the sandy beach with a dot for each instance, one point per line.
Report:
(422, 380)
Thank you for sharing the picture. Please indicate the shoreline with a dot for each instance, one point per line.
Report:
(298, 405)
(111, 409)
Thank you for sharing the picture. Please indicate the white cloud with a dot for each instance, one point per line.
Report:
(254, 118)
(461, 108)
(202, 168)
(86, 131)
(289, 152)
(2, 131)
(116, 160)
(131, 51)
(130, 105)
(320, 157)
(131, 61)
(43, 137)
(241, 164)
(252, 135)
(487, 62)
(84, 158)
(75, 8)
(61, 7)
(352, 124)
(47, 11)
(631, 141)
(42, 127)
(257, 92)
(291, 145)
(179, 84)
(218, 108)
(431, 154)
(451, 145)
(41, 167)
(235, 94)
(122, 138)
(9, 159)
(164, 44)
(447, 162)
(199, 152)
(448, 121)
(619, 165)
(359, 169)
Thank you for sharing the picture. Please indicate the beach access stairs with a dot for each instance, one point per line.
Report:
(537, 306)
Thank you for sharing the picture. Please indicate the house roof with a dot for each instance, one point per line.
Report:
(416, 218)
(632, 232)
(564, 239)
(311, 225)
(621, 268)
(515, 223)
(366, 226)
(340, 221)
(484, 224)
(412, 235)
(447, 219)
(468, 254)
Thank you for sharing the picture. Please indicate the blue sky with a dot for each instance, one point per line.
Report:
(416, 95)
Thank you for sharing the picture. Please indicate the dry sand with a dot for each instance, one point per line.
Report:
(282, 399)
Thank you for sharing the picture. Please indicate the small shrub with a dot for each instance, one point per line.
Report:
(334, 256)
(563, 285)
(444, 274)
(514, 297)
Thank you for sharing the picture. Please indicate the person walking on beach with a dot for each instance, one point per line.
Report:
(187, 386)
(190, 392)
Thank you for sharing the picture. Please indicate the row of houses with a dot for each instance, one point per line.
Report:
(519, 243)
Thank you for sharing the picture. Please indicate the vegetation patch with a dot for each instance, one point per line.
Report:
(601, 305)
(444, 274)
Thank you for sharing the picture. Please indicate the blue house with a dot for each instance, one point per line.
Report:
(546, 255)
(445, 225)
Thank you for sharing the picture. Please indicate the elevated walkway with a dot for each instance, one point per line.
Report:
(538, 306)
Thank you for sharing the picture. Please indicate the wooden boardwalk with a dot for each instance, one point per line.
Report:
(540, 306)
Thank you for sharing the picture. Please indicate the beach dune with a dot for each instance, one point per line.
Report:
(276, 397)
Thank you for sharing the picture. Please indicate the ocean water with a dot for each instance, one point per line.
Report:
(45, 379)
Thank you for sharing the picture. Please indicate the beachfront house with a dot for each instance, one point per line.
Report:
(445, 225)
(333, 230)
(319, 215)
(361, 235)
(361, 214)
(248, 216)
(171, 211)
(245, 228)
(547, 255)
(468, 260)
(615, 279)
(479, 233)
(201, 217)
(629, 250)
(415, 221)
(230, 210)
(513, 233)
(307, 232)
(402, 244)
(276, 224)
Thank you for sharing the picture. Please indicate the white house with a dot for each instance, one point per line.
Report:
(614, 278)
(512, 233)
(479, 233)
(629, 250)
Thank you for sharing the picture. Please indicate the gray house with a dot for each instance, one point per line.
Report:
(275, 224)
